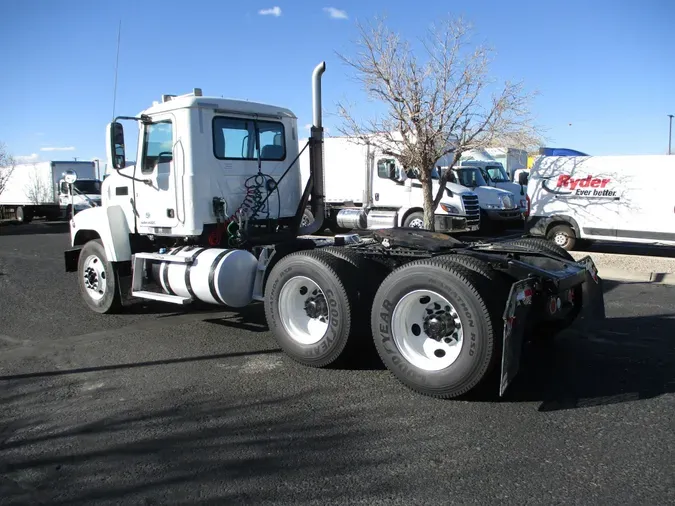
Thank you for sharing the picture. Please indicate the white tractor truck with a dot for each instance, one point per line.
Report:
(366, 189)
(212, 212)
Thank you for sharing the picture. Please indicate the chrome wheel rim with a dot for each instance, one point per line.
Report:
(303, 310)
(427, 330)
(94, 277)
(416, 223)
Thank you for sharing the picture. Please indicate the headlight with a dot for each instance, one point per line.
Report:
(449, 209)
(493, 206)
(507, 201)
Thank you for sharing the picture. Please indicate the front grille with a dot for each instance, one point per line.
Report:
(472, 209)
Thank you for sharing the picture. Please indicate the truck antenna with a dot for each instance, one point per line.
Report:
(117, 59)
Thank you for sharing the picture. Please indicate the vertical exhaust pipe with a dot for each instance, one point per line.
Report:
(316, 156)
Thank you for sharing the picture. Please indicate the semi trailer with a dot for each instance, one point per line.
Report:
(212, 211)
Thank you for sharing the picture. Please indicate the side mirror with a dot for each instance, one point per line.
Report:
(523, 178)
(70, 176)
(115, 147)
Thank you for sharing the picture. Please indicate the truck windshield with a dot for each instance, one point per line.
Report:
(88, 187)
(469, 177)
(497, 173)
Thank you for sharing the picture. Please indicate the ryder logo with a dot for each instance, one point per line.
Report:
(588, 186)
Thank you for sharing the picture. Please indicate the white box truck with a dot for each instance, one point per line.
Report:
(607, 198)
(366, 189)
(512, 159)
(39, 189)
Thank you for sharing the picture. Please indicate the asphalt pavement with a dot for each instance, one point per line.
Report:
(161, 405)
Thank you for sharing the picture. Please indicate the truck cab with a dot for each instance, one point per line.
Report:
(497, 207)
(495, 175)
(395, 186)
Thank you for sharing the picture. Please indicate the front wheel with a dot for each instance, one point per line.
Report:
(307, 218)
(433, 329)
(414, 220)
(562, 236)
(97, 279)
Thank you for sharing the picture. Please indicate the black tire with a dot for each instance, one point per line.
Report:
(111, 301)
(308, 217)
(332, 275)
(458, 285)
(537, 244)
(367, 275)
(23, 215)
(412, 217)
(496, 283)
(562, 236)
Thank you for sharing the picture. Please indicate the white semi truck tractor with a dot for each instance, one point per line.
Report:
(212, 211)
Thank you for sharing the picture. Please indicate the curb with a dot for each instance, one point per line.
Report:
(661, 278)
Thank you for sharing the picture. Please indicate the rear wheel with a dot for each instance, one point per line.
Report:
(309, 306)
(97, 279)
(23, 215)
(433, 329)
(537, 244)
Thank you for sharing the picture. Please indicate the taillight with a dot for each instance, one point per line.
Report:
(527, 211)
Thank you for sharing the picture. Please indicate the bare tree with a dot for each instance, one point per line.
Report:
(438, 103)
(7, 164)
(38, 191)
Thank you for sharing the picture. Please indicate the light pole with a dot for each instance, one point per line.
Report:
(670, 132)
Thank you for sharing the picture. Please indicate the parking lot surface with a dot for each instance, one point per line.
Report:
(161, 405)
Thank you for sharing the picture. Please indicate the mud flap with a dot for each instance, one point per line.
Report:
(516, 314)
(592, 294)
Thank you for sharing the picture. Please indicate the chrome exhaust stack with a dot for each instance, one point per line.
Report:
(316, 156)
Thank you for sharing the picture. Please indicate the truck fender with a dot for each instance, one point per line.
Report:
(107, 223)
(403, 213)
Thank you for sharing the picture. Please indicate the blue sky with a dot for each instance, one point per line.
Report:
(603, 69)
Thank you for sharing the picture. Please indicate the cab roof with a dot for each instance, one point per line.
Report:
(191, 101)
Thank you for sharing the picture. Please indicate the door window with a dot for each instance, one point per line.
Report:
(157, 146)
(386, 169)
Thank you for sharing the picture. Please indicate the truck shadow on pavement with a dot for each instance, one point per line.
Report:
(136, 365)
(38, 228)
(248, 451)
(618, 360)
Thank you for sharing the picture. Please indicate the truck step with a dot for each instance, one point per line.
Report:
(162, 297)
(164, 258)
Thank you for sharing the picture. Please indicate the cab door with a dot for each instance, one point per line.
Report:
(156, 200)
(389, 189)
